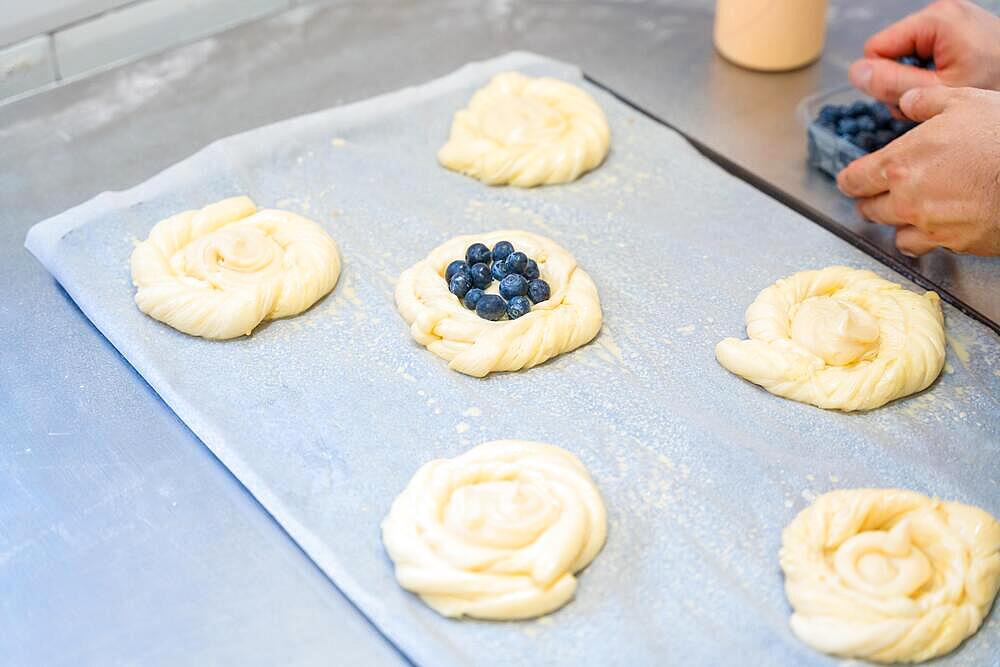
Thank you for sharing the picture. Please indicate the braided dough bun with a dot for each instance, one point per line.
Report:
(221, 271)
(889, 575)
(570, 318)
(839, 338)
(527, 131)
(498, 532)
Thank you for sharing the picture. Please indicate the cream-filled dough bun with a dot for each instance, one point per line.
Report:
(498, 532)
(889, 575)
(568, 318)
(839, 338)
(220, 271)
(526, 131)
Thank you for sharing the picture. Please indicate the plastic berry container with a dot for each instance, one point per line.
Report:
(828, 151)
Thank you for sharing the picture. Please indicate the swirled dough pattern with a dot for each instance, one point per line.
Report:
(498, 532)
(220, 271)
(889, 575)
(570, 318)
(839, 338)
(527, 131)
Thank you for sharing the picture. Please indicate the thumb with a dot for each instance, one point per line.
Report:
(886, 80)
(920, 104)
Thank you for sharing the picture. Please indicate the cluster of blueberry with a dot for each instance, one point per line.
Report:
(867, 125)
(520, 285)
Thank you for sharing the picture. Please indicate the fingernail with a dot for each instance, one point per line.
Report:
(907, 253)
(841, 181)
(860, 74)
(907, 98)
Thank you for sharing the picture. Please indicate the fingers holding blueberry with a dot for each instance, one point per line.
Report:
(937, 185)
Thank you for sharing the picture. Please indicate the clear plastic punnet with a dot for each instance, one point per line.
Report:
(828, 151)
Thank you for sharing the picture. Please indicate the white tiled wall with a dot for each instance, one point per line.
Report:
(42, 41)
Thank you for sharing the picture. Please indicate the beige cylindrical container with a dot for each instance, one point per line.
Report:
(770, 35)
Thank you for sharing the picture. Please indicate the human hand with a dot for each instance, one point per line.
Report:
(938, 184)
(961, 37)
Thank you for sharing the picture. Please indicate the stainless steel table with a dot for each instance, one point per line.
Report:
(122, 540)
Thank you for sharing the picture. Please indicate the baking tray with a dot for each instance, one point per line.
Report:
(324, 417)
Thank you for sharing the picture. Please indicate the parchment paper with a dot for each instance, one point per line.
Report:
(324, 417)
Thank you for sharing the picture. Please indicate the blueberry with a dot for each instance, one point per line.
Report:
(882, 115)
(518, 306)
(846, 157)
(480, 275)
(455, 267)
(883, 137)
(916, 61)
(472, 297)
(901, 126)
(491, 307)
(501, 250)
(538, 291)
(517, 262)
(531, 271)
(499, 270)
(830, 113)
(477, 253)
(865, 140)
(866, 124)
(847, 127)
(859, 108)
(513, 285)
(460, 284)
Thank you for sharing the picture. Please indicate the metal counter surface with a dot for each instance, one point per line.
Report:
(102, 486)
